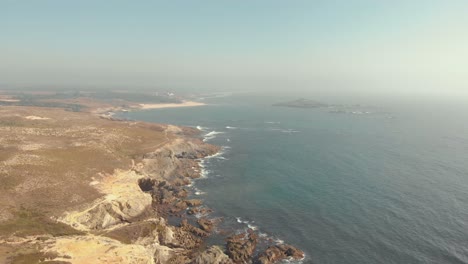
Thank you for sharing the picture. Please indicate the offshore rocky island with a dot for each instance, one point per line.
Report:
(79, 186)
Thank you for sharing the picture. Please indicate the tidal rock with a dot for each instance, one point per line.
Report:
(277, 253)
(185, 236)
(181, 205)
(199, 210)
(192, 229)
(180, 258)
(194, 202)
(147, 184)
(206, 224)
(240, 248)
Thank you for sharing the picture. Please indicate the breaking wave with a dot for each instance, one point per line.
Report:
(211, 135)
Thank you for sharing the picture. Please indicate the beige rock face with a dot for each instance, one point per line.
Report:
(124, 200)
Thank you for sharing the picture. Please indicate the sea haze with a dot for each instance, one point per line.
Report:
(388, 185)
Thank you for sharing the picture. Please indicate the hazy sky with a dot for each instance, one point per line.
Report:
(350, 45)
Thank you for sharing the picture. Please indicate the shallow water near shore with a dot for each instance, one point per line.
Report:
(389, 186)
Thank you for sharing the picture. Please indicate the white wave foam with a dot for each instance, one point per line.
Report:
(290, 131)
(252, 227)
(203, 162)
(291, 260)
(230, 127)
(201, 128)
(198, 192)
(214, 156)
(247, 223)
(279, 241)
(211, 135)
(204, 173)
(201, 215)
(217, 155)
(267, 237)
(272, 122)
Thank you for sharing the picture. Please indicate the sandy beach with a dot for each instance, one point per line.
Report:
(183, 104)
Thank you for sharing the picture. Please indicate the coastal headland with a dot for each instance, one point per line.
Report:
(83, 187)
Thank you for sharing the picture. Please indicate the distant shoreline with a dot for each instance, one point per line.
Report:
(170, 105)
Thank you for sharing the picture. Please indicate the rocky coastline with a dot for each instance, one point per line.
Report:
(144, 214)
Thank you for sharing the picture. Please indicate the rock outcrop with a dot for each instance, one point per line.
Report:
(206, 224)
(240, 248)
(213, 255)
(122, 202)
(277, 253)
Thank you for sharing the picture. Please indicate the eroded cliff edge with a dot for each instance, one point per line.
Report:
(83, 189)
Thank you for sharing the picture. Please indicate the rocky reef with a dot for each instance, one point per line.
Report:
(276, 253)
(240, 248)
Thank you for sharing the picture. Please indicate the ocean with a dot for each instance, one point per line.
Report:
(380, 182)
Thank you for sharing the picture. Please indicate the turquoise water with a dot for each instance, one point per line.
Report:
(384, 187)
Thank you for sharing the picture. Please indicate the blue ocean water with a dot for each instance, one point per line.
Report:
(389, 186)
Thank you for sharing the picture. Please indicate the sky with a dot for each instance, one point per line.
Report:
(405, 46)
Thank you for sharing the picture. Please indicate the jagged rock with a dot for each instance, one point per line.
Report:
(181, 205)
(179, 259)
(168, 194)
(165, 161)
(206, 224)
(181, 193)
(199, 210)
(186, 155)
(194, 202)
(277, 253)
(213, 255)
(192, 229)
(181, 182)
(185, 239)
(147, 184)
(240, 248)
